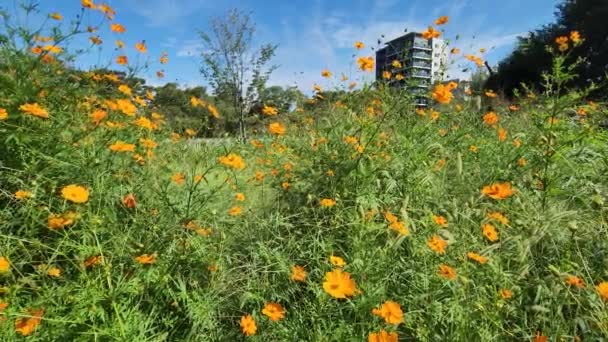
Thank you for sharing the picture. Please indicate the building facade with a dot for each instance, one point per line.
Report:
(420, 61)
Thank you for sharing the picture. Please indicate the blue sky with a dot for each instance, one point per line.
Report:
(312, 35)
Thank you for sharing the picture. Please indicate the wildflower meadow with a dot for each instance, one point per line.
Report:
(353, 214)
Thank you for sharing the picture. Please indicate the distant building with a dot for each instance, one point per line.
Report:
(422, 61)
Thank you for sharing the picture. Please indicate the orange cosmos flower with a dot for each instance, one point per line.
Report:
(498, 191)
(164, 58)
(121, 146)
(248, 326)
(93, 261)
(602, 290)
(390, 311)
(298, 273)
(232, 160)
(235, 211)
(437, 244)
(122, 60)
(489, 231)
(455, 51)
(118, 28)
(3, 114)
(440, 220)
(386, 75)
(239, 196)
(498, 217)
(359, 45)
(25, 326)
(160, 74)
(129, 201)
(442, 94)
(477, 257)
(513, 108)
(274, 311)
(56, 222)
(144, 122)
(35, 110)
(36, 50)
(276, 128)
(119, 44)
(125, 89)
(575, 37)
(446, 272)
(474, 59)
(442, 20)
(5, 265)
(562, 40)
(327, 202)
(337, 261)
(431, 33)
(107, 10)
(97, 116)
(366, 63)
(141, 47)
(22, 194)
(213, 111)
(539, 337)
(326, 73)
(575, 281)
(399, 227)
(87, 4)
(53, 272)
(522, 162)
(502, 134)
(490, 93)
(146, 259)
(383, 336)
(56, 16)
(339, 284)
(96, 40)
(126, 107)
(178, 178)
(506, 293)
(490, 118)
(270, 110)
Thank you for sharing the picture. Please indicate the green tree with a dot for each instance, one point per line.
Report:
(174, 102)
(235, 69)
(531, 60)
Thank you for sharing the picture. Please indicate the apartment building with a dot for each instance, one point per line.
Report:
(421, 61)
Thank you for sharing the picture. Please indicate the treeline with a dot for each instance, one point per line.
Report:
(531, 58)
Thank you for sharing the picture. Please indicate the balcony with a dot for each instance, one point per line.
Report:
(418, 64)
(420, 55)
(420, 74)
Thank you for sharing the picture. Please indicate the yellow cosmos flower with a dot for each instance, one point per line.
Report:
(248, 326)
(121, 146)
(276, 128)
(390, 311)
(75, 193)
(339, 284)
(274, 311)
(298, 273)
(5, 265)
(35, 110)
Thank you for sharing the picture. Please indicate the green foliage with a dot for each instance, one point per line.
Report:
(531, 58)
